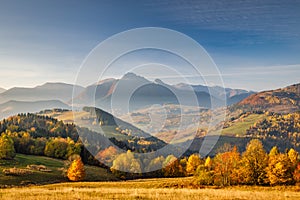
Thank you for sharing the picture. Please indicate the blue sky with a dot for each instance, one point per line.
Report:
(255, 44)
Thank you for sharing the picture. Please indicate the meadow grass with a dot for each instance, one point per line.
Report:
(56, 166)
(146, 189)
(239, 128)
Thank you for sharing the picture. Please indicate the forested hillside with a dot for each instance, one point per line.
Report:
(42, 135)
(284, 100)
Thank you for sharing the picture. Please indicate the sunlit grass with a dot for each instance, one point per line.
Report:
(239, 128)
(146, 189)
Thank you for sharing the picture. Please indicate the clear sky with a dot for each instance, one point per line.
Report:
(255, 43)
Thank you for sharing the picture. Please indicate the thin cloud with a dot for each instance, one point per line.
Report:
(270, 18)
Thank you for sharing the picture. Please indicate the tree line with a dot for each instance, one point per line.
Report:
(229, 167)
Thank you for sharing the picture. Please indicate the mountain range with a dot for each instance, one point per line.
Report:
(48, 91)
(103, 92)
(154, 92)
(14, 107)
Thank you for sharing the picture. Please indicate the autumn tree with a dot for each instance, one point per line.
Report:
(296, 173)
(126, 165)
(172, 167)
(208, 163)
(280, 170)
(107, 155)
(293, 156)
(226, 167)
(183, 162)
(76, 170)
(155, 164)
(7, 150)
(254, 162)
(193, 162)
(204, 175)
(274, 151)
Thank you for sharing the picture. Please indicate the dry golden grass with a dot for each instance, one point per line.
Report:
(144, 189)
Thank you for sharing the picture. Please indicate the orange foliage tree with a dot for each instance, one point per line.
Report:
(76, 170)
(226, 167)
(296, 173)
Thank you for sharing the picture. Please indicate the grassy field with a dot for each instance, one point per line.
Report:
(239, 128)
(146, 189)
(37, 177)
(110, 188)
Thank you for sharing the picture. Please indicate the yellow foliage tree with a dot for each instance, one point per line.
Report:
(280, 170)
(254, 161)
(293, 156)
(208, 163)
(76, 170)
(274, 151)
(193, 162)
(126, 165)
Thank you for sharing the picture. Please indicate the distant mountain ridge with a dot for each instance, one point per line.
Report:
(15, 107)
(156, 92)
(48, 91)
(229, 92)
(102, 93)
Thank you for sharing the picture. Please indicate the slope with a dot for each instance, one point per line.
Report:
(283, 100)
(53, 175)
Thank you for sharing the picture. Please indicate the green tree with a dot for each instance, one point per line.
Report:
(7, 150)
(57, 148)
(72, 148)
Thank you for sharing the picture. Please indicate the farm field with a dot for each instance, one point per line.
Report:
(164, 188)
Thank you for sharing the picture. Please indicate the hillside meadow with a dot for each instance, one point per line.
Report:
(163, 188)
(56, 166)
